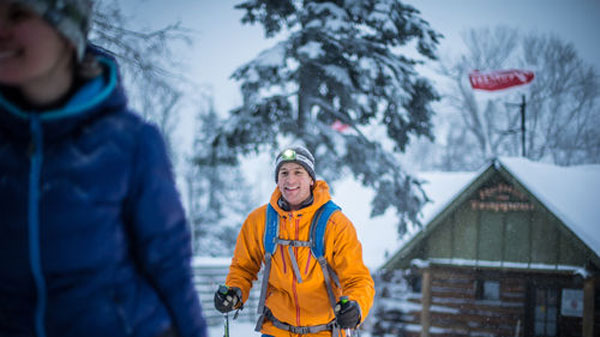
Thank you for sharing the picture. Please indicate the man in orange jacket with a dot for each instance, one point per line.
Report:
(296, 300)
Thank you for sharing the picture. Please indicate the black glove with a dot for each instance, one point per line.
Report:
(228, 298)
(347, 314)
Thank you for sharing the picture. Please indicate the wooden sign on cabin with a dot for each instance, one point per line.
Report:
(501, 198)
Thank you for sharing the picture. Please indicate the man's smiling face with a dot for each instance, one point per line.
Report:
(295, 183)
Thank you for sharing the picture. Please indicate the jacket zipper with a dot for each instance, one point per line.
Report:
(294, 281)
(36, 157)
(307, 262)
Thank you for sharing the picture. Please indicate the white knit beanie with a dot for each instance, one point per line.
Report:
(70, 17)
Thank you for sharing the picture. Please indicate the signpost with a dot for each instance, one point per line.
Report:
(503, 79)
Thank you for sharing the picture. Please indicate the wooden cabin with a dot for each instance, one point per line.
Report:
(515, 252)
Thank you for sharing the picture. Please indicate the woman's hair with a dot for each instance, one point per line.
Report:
(88, 68)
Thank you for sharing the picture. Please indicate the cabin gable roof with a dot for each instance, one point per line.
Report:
(514, 172)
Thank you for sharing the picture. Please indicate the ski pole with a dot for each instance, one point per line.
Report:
(223, 290)
(345, 299)
(226, 324)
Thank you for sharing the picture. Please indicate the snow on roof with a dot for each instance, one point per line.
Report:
(571, 193)
(378, 235)
(442, 188)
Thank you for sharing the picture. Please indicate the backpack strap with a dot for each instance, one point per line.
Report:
(301, 330)
(318, 227)
(290, 244)
(270, 244)
(317, 237)
(271, 230)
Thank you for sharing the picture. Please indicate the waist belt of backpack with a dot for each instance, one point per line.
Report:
(264, 312)
(302, 330)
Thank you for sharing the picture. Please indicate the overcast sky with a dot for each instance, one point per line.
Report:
(222, 43)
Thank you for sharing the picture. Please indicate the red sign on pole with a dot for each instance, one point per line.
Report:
(499, 79)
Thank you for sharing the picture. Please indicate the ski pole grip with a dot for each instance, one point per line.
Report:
(223, 289)
(345, 299)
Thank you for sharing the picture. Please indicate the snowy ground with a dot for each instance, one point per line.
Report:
(244, 329)
(236, 329)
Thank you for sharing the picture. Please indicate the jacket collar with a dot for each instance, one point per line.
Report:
(286, 206)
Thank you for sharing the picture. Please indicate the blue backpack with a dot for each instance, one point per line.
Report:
(317, 247)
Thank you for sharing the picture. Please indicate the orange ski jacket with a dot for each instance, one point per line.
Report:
(306, 303)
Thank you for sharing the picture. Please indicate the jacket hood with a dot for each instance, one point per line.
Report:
(103, 93)
(320, 193)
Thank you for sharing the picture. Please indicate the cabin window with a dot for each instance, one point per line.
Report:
(414, 281)
(488, 290)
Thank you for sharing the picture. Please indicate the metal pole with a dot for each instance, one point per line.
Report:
(523, 104)
(226, 324)
(223, 290)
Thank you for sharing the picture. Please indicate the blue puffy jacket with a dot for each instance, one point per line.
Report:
(93, 238)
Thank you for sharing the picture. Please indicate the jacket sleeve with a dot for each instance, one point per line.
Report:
(249, 253)
(347, 261)
(161, 240)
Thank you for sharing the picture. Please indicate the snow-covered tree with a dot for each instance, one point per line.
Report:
(147, 61)
(562, 102)
(342, 63)
(218, 195)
